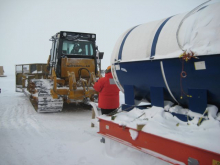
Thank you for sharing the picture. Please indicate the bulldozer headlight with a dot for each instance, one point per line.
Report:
(64, 34)
(93, 36)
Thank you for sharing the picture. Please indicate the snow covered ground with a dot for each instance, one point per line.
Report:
(31, 138)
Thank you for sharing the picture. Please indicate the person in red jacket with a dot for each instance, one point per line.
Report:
(108, 92)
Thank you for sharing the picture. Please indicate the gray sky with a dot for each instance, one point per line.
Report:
(27, 25)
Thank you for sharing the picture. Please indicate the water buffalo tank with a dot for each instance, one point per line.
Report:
(175, 59)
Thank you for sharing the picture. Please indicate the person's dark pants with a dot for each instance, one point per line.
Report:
(107, 111)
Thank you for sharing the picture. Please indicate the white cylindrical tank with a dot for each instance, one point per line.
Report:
(179, 54)
(197, 31)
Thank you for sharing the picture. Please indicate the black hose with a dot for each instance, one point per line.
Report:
(79, 72)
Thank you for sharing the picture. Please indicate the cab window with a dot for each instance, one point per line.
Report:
(77, 48)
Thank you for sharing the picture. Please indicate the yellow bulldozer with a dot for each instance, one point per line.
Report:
(73, 66)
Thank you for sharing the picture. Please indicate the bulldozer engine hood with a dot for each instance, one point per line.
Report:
(73, 65)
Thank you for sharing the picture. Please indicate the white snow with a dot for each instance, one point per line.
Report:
(133, 133)
(212, 112)
(167, 105)
(28, 137)
(37, 71)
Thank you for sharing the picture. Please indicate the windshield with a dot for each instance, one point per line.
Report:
(77, 48)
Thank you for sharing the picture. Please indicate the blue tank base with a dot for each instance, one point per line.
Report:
(129, 94)
(202, 84)
(197, 100)
(157, 96)
(186, 118)
(126, 107)
(181, 117)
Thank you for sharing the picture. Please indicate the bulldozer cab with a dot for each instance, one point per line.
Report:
(74, 52)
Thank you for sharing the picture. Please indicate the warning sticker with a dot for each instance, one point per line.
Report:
(200, 65)
(215, 162)
(117, 67)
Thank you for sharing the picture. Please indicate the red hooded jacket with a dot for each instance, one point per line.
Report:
(108, 92)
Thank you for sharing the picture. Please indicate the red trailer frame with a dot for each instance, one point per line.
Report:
(168, 150)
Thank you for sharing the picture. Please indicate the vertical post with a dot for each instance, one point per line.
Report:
(54, 77)
(93, 117)
(157, 96)
(129, 94)
(197, 100)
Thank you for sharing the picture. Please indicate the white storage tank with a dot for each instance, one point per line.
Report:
(179, 56)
